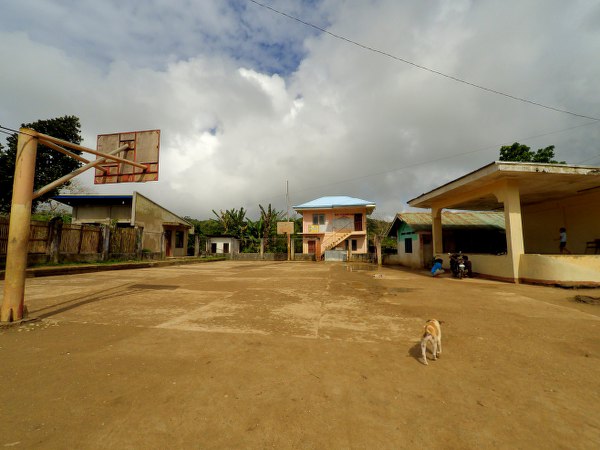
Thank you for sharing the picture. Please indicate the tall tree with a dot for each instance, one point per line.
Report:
(50, 164)
(522, 153)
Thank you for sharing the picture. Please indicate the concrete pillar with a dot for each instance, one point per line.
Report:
(348, 250)
(509, 195)
(196, 245)
(436, 231)
(262, 248)
(13, 304)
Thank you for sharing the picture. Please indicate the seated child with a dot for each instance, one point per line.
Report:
(437, 267)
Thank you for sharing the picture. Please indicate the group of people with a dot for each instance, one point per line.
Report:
(455, 260)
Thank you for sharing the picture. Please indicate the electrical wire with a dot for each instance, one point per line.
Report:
(436, 72)
(12, 131)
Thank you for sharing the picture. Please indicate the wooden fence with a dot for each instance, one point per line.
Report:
(57, 242)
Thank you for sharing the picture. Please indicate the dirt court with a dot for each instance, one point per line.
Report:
(298, 355)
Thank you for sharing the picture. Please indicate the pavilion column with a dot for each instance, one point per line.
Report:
(510, 196)
(436, 230)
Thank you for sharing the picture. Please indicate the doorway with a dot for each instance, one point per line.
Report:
(358, 222)
(168, 249)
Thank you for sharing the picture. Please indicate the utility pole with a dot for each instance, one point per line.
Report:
(287, 200)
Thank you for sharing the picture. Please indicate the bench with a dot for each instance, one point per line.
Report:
(593, 245)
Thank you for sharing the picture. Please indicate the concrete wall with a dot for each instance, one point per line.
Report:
(234, 245)
(152, 218)
(257, 257)
(563, 270)
(101, 214)
(579, 215)
(419, 257)
(494, 266)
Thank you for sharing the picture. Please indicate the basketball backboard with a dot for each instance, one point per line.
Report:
(143, 149)
(285, 227)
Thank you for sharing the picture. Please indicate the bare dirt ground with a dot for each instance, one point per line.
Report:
(298, 355)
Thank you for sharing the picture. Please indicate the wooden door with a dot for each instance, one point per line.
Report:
(358, 222)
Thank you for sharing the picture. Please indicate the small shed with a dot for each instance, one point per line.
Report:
(224, 244)
(163, 231)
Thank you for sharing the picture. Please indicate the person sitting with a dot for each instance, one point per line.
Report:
(468, 266)
(437, 267)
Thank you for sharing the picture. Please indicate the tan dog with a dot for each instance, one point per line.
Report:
(432, 333)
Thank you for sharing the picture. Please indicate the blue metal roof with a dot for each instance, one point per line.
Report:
(75, 196)
(339, 201)
(76, 200)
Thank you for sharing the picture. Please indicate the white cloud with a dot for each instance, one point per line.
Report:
(334, 118)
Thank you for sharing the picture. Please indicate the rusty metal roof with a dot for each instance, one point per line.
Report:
(420, 221)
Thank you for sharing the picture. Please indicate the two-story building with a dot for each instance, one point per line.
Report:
(336, 223)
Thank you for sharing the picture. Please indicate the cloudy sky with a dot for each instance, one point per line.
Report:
(248, 99)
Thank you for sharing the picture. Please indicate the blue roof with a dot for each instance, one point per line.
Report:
(76, 200)
(335, 202)
(85, 196)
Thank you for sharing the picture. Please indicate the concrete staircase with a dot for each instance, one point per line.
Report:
(334, 239)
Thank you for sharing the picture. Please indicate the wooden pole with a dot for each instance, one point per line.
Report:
(63, 180)
(45, 138)
(18, 232)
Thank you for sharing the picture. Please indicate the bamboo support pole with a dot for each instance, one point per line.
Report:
(18, 232)
(45, 137)
(76, 172)
(64, 151)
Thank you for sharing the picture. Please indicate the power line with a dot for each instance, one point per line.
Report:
(441, 158)
(436, 72)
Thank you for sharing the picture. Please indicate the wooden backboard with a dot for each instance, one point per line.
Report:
(143, 149)
(285, 227)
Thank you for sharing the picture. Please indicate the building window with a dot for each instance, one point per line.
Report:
(318, 219)
(226, 247)
(354, 245)
(179, 239)
(407, 245)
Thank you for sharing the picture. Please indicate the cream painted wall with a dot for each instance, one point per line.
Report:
(580, 215)
(499, 266)
(561, 268)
